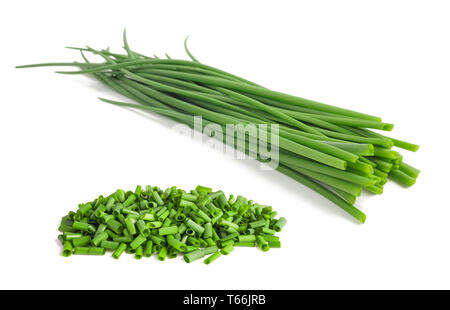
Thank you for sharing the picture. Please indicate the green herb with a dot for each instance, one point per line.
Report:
(200, 231)
(329, 149)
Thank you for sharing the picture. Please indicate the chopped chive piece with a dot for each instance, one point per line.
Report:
(279, 224)
(88, 251)
(109, 245)
(99, 238)
(67, 249)
(140, 239)
(227, 249)
(162, 254)
(170, 230)
(245, 243)
(274, 244)
(119, 250)
(139, 252)
(81, 241)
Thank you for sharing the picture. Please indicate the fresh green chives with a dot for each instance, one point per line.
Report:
(227, 223)
(324, 147)
(258, 223)
(209, 224)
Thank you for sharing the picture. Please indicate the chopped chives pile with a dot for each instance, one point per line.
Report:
(333, 151)
(166, 223)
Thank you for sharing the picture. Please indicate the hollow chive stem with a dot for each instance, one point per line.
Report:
(294, 161)
(357, 214)
(148, 248)
(89, 251)
(195, 227)
(171, 230)
(274, 244)
(140, 239)
(99, 238)
(109, 245)
(212, 258)
(178, 245)
(81, 241)
(115, 226)
(67, 249)
(162, 254)
(216, 221)
(71, 235)
(262, 243)
(227, 249)
(318, 133)
(345, 186)
(279, 224)
(129, 222)
(139, 252)
(197, 254)
(142, 228)
(157, 198)
(245, 244)
(119, 250)
(81, 226)
(284, 143)
(247, 238)
(258, 223)
(409, 170)
(255, 90)
(402, 178)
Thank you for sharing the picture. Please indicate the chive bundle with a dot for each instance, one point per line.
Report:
(149, 220)
(333, 151)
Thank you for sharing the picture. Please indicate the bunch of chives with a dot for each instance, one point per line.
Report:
(333, 151)
(169, 222)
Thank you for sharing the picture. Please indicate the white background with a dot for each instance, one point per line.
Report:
(60, 146)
